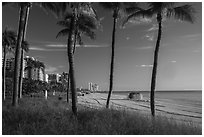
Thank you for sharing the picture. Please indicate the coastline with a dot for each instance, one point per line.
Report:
(170, 110)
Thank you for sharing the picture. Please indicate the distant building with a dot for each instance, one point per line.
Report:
(46, 78)
(93, 87)
(10, 64)
(53, 78)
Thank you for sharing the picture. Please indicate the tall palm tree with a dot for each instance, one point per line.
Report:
(24, 48)
(8, 40)
(115, 8)
(74, 9)
(24, 10)
(163, 10)
(85, 25)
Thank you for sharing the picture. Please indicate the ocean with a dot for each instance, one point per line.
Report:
(185, 98)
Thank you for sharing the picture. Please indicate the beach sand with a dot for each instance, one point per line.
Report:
(172, 111)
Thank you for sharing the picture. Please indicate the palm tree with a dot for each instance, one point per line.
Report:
(85, 25)
(24, 48)
(163, 10)
(115, 8)
(8, 40)
(75, 10)
(24, 13)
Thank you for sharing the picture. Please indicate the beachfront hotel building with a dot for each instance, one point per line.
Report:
(31, 73)
(34, 73)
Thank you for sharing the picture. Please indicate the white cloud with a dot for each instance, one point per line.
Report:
(173, 61)
(50, 69)
(144, 66)
(93, 46)
(144, 47)
(153, 28)
(45, 49)
(37, 48)
(127, 38)
(56, 45)
(140, 20)
(149, 37)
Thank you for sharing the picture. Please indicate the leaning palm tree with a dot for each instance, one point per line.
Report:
(76, 9)
(8, 40)
(163, 10)
(115, 7)
(85, 25)
(24, 48)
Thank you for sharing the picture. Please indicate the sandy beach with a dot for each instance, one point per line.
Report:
(170, 110)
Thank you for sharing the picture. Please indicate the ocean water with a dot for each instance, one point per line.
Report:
(185, 98)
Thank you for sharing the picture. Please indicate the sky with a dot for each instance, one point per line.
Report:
(180, 55)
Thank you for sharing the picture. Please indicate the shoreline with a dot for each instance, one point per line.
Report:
(169, 110)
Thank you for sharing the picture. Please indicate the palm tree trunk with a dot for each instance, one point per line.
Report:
(4, 75)
(154, 70)
(112, 62)
(71, 61)
(69, 69)
(22, 54)
(68, 87)
(21, 75)
(17, 54)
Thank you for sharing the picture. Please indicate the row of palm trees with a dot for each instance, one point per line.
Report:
(81, 19)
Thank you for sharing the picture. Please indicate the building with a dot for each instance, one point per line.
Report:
(53, 78)
(93, 87)
(10, 64)
(32, 70)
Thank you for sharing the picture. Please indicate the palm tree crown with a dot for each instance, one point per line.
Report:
(8, 39)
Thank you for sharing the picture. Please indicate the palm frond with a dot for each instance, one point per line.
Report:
(56, 8)
(63, 32)
(110, 5)
(64, 23)
(25, 46)
(88, 21)
(67, 16)
(131, 7)
(184, 13)
(79, 39)
(86, 31)
(140, 13)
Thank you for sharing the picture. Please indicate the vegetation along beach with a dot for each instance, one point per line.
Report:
(101, 68)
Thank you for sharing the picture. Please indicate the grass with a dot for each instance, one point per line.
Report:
(36, 116)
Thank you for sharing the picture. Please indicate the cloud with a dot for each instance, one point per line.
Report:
(192, 35)
(153, 28)
(149, 37)
(37, 48)
(140, 20)
(93, 46)
(136, 21)
(144, 47)
(50, 69)
(45, 49)
(56, 45)
(173, 61)
(127, 38)
(144, 66)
